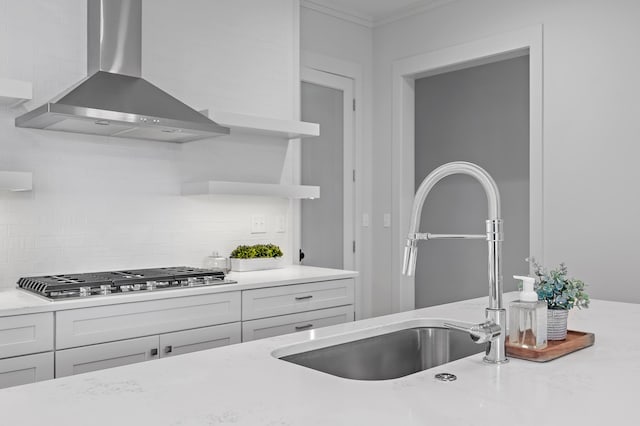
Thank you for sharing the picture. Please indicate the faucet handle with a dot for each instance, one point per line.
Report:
(479, 333)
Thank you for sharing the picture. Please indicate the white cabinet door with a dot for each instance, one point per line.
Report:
(88, 326)
(275, 326)
(25, 369)
(106, 355)
(26, 334)
(183, 342)
(289, 299)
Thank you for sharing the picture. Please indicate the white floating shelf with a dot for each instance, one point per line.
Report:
(243, 188)
(15, 92)
(16, 181)
(287, 129)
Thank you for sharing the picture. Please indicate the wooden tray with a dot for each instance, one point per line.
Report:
(575, 341)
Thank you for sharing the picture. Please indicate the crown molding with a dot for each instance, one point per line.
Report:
(405, 12)
(367, 20)
(342, 13)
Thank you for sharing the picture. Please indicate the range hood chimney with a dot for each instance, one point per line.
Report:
(114, 100)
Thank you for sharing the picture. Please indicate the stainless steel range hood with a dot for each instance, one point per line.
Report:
(114, 100)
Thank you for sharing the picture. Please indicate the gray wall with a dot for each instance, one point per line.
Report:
(478, 114)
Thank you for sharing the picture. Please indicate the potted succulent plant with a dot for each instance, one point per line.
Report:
(256, 257)
(561, 294)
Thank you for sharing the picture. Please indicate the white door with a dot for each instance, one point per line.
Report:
(327, 223)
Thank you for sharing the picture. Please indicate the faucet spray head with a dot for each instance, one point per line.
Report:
(410, 256)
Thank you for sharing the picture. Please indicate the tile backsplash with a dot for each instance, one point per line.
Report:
(100, 204)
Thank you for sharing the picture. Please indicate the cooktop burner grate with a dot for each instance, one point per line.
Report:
(63, 286)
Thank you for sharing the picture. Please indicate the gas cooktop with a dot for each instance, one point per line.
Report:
(64, 286)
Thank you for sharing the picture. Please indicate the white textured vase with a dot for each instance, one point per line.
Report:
(557, 324)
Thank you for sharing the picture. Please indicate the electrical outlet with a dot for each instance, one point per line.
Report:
(258, 224)
(281, 223)
(365, 220)
(386, 220)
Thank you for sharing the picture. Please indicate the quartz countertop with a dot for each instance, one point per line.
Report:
(19, 302)
(245, 385)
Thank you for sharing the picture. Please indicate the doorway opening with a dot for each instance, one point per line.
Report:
(478, 114)
(525, 42)
(327, 223)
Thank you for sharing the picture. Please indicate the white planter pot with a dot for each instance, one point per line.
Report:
(557, 324)
(259, 264)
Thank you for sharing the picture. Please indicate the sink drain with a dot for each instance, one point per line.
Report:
(446, 377)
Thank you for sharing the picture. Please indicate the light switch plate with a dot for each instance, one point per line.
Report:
(281, 223)
(386, 220)
(258, 224)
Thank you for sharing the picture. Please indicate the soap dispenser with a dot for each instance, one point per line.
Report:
(528, 318)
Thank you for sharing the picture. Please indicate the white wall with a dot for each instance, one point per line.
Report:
(590, 128)
(334, 38)
(101, 203)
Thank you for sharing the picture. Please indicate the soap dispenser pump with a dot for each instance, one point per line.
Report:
(528, 318)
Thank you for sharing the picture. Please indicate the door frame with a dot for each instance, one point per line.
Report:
(405, 72)
(311, 61)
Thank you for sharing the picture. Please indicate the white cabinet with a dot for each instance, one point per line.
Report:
(183, 342)
(106, 355)
(94, 338)
(21, 370)
(273, 311)
(289, 299)
(284, 324)
(124, 352)
(26, 334)
(100, 337)
(87, 326)
(26, 345)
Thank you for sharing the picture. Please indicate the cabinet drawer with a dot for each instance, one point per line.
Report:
(26, 369)
(289, 299)
(26, 334)
(269, 327)
(87, 326)
(183, 342)
(106, 355)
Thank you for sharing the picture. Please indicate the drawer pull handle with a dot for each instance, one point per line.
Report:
(154, 352)
(168, 349)
(303, 327)
(304, 297)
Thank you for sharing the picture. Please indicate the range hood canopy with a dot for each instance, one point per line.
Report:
(114, 100)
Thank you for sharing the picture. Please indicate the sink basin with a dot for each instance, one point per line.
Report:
(391, 355)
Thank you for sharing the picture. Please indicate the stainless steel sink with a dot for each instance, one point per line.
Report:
(391, 355)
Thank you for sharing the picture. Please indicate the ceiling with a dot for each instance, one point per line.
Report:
(373, 12)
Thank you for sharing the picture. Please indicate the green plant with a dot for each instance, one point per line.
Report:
(256, 251)
(558, 290)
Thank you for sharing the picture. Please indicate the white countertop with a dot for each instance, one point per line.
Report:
(244, 385)
(19, 302)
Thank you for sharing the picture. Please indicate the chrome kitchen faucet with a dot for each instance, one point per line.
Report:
(494, 329)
